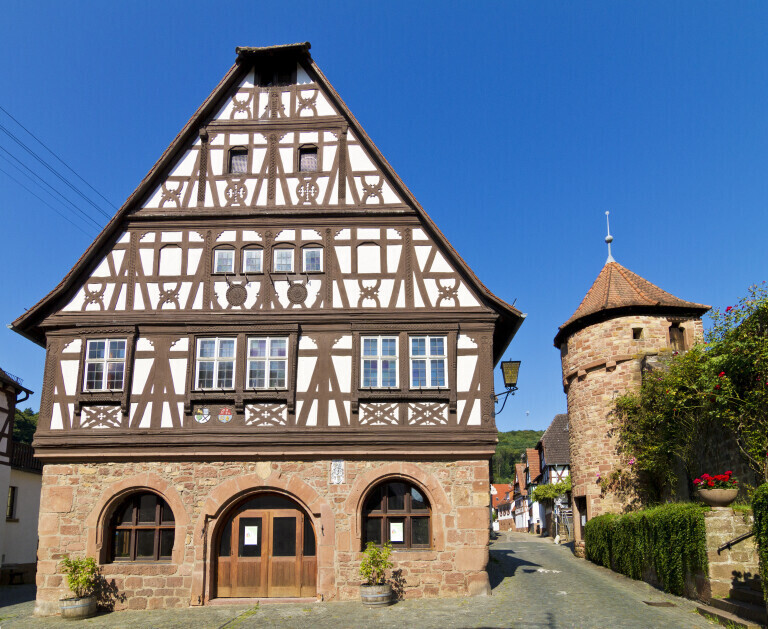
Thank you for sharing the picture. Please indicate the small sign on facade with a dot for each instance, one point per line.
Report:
(395, 531)
(251, 536)
(337, 472)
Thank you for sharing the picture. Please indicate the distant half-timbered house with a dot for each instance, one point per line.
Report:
(268, 358)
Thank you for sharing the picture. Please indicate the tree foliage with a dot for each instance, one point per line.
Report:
(24, 425)
(510, 448)
(760, 510)
(718, 387)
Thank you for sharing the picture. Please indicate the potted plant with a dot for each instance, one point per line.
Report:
(717, 491)
(82, 578)
(376, 592)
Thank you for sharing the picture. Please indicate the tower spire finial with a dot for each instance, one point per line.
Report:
(608, 239)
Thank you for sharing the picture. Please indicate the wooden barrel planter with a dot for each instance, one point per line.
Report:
(75, 608)
(376, 595)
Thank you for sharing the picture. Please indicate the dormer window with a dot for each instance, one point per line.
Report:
(238, 161)
(224, 261)
(308, 159)
(278, 75)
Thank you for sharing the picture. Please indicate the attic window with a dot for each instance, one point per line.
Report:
(279, 74)
(308, 159)
(637, 333)
(238, 161)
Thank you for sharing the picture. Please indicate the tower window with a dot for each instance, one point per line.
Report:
(637, 333)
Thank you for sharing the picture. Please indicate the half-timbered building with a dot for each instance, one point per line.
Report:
(268, 358)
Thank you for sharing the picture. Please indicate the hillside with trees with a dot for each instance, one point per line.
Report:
(24, 425)
(509, 450)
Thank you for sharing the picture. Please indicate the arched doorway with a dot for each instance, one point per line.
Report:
(265, 547)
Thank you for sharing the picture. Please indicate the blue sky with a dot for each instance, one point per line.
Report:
(516, 125)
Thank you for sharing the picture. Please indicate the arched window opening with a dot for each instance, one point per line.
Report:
(141, 529)
(397, 512)
(238, 160)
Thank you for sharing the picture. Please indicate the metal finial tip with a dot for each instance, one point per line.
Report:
(607, 213)
(609, 239)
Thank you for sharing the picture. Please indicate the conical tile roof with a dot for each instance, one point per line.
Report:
(618, 288)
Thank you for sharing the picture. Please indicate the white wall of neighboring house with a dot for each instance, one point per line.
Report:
(18, 541)
(5, 481)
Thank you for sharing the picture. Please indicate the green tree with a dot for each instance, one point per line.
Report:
(24, 425)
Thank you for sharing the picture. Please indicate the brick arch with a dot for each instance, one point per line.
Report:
(228, 493)
(111, 497)
(438, 500)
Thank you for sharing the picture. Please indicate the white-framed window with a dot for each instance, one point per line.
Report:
(283, 260)
(379, 361)
(428, 358)
(267, 362)
(252, 260)
(215, 364)
(312, 259)
(224, 260)
(104, 364)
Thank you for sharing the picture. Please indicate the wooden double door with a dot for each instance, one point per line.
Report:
(266, 548)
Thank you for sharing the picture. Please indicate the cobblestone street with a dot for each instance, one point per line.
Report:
(535, 584)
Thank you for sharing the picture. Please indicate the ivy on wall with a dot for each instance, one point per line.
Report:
(670, 539)
(760, 511)
(550, 491)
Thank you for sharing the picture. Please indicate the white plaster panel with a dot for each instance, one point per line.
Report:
(422, 253)
(304, 371)
(124, 239)
(252, 290)
(166, 420)
(147, 257)
(228, 235)
(464, 342)
(195, 237)
(353, 292)
(148, 237)
(333, 414)
(366, 233)
(57, 423)
(117, 257)
(306, 342)
(186, 165)
(143, 344)
(466, 298)
(434, 293)
(393, 257)
(146, 420)
(475, 418)
(329, 154)
(401, 296)
(310, 234)
(312, 414)
(308, 136)
(153, 290)
(216, 140)
(132, 413)
(465, 369)
(138, 300)
(418, 234)
(249, 235)
(344, 234)
(358, 159)
(262, 199)
(220, 292)
(393, 234)
(337, 303)
(102, 270)
(439, 264)
(313, 289)
(417, 300)
(170, 261)
(154, 200)
(141, 369)
(198, 303)
(329, 137)
(69, 375)
(259, 155)
(369, 259)
(76, 303)
(388, 194)
(281, 288)
(279, 196)
(193, 260)
(344, 258)
(171, 237)
(302, 78)
(73, 347)
(345, 342)
(385, 292)
(221, 187)
(324, 108)
(239, 138)
(286, 234)
(343, 367)
(286, 156)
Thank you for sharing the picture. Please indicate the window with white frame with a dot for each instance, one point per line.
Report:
(224, 261)
(379, 361)
(283, 260)
(312, 259)
(215, 364)
(267, 362)
(428, 359)
(104, 364)
(252, 260)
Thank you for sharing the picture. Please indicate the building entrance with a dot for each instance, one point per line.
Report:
(266, 548)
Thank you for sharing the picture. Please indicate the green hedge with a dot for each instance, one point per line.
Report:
(670, 538)
(760, 511)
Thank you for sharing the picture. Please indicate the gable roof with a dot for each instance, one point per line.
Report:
(534, 464)
(501, 494)
(555, 442)
(27, 324)
(618, 290)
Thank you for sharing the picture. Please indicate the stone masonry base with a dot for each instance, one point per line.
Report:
(78, 500)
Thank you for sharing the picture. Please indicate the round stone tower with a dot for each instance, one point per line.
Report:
(622, 318)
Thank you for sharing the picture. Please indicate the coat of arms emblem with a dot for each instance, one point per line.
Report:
(202, 415)
(225, 415)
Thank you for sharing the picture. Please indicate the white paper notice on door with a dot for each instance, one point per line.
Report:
(395, 531)
(251, 536)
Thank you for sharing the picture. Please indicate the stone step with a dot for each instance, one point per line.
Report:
(742, 609)
(748, 595)
(724, 618)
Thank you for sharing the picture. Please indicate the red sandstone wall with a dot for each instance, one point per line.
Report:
(75, 499)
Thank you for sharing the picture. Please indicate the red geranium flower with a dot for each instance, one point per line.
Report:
(729, 308)
(717, 386)
(696, 481)
(721, 374)
(711, 483)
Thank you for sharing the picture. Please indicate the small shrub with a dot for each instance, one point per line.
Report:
(82, 575)
(375, 563)
(760, 511)
(671, 539)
